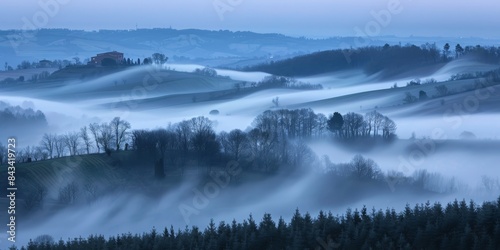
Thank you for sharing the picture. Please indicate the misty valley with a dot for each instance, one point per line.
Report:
(199, 146)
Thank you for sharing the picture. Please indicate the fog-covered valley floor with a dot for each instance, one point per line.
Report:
(431, 137)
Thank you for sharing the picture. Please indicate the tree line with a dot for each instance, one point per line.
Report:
(274, 135)
(457, 225)
(389, 59)
(277, 138)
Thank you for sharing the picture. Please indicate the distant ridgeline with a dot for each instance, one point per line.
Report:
(14, 119)
(389, 60)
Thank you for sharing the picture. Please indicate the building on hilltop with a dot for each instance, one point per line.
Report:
(44, 64)
(107, 59)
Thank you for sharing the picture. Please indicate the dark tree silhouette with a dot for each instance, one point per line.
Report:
(335, 123)
(159, 58)
(422, 95)
(446, 51)
(458, 50)
(457, 225)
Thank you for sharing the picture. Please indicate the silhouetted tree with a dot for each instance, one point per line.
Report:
(159, 58)
(72, 141)
(94, 129)
(48, 143)
(236, 143)
(335, 123)
(389, 128)
(353, 124)
(422, 95)
(458, 50)
(105, 137)
(119, 128)
(446, 51)
(59, 145)
(86, 138)
(409, 98)
(442, 90)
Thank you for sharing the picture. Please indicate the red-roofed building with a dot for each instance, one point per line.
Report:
(108, 58)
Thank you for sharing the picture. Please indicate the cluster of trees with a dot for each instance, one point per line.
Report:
(207, 71)
(390, 59)
(43, 64)
(258, 149)
(275, 137)
(18, 116)
(492, 76)
(95, 137)
(34, 78)
(487, 54)
(371, 59)
(457, 225)
(174, 145)
(15, 118)
(483, 79)
(353, 125)
(360, 169)
(275, 141)
(285, 82)
(273, 81)
(156, 58)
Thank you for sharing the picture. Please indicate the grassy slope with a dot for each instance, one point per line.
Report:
(56, 172)
(392, 99)
(83, 83)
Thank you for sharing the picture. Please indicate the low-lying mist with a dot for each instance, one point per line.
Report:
(437, 150)
(230, 193)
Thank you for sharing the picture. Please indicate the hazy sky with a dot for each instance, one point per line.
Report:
(314, 18)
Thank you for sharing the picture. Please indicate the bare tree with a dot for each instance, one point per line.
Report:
(90, 191)
(364, 169)
(353, 123)
(388, 127)
(94, 129)
(86, 138)
(48, 143)
(236, 143)
(72, 142)
(69, 193)
(276, 101)
(374, 121)
(105, 137)
(59, 145)
(322, 125)
(38, 153)
(28, 153)
(183, 131)
(34, 193)
(159, 58)
(119, 128)
(201, 124)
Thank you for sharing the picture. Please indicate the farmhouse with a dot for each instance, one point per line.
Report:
(106, 59)
(44, 64)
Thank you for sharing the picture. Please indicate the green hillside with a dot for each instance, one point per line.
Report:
(53, 173)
